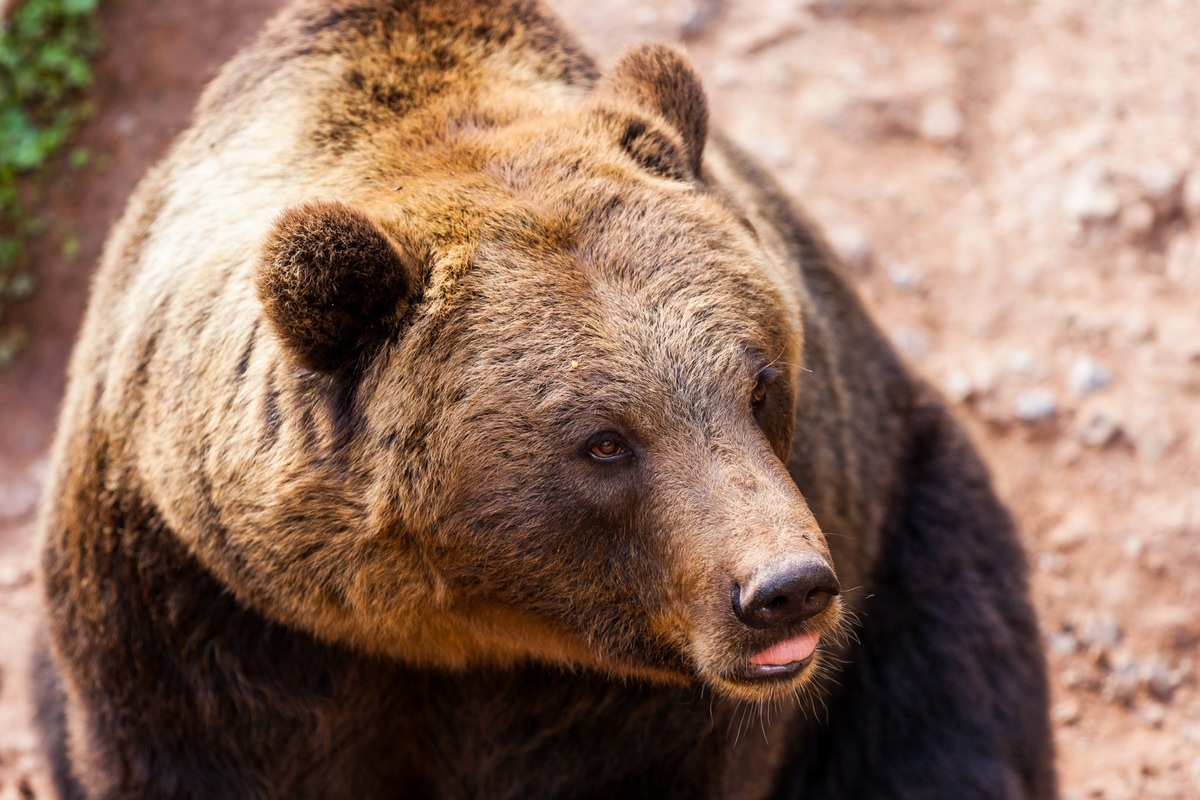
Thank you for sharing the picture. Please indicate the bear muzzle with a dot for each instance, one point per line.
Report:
(783, 597)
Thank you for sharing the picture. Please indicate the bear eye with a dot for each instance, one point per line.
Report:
(759, 394)
(607, 447)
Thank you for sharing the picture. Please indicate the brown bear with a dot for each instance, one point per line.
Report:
(453, 420)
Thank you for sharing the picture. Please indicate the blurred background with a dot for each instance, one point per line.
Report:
(1013, 184)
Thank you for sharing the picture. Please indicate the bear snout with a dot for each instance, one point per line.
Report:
(785, 592)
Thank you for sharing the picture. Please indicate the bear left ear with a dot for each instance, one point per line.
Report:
(333, 284)
(658, 79)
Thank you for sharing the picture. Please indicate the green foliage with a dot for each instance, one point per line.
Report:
(45, 52)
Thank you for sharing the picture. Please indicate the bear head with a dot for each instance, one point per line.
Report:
(573, 371)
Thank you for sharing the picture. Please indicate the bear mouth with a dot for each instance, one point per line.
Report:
(773, 672)
(782, 660)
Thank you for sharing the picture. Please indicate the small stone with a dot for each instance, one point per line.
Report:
(1154, 442)
(1067, 453)
(126, 125)
(1191, 195)
(1066, 712)
(1090, 199)
(1071, 532)
(914, 343)
(1036, 405)
(1098, 632)
(1073, 678)
(946, 32)
(1051, 563)
(1121, 685)
(1098, 429)
(852, 247)
(17, 499)
(1134, 548)
(1161, 183)
(958, 385)
(1089, 375)
(645, 16)
(1161, 682)
(940, 122)
(725, 75)
(1183, 260)
(904, 277)
(13, 577)
(1138, 219)
(698, 20)
(1062, 642)
(1021, 362)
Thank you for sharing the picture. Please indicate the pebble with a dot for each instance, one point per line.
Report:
(645, 16)
(1138, 219)
(1183, 260)
(912, 342)
(1071, 532)
(1099, 429)
(17, 499)
(940, 122)
(1121, 685)
(946, 32)
(1090, 199)
(1036, 405)
(1161, 682)
(1062, 642)
(13, 577)
(1191, 196)
(725, 74)
(958, 385)
(904, 277)
(1098, 632)
(1066, 712)
(852, 247)
(1155, 441)
(1089, 375)
(1052, 563)
(1134, 548)
(1021, 362)
(1160, 181)
(1067, 453)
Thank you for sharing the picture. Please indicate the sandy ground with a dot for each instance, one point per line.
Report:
(1017, 188)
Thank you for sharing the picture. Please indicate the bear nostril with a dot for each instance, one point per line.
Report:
(786, 592)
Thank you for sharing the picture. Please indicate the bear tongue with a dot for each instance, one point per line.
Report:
(788, 651)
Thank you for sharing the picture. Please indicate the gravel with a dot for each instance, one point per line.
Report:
(17, 499)
(1088, 376)
(1098, 429)
(941, 122)
(1090, 198)
(1036, 405)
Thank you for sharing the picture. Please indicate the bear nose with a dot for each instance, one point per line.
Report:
(784, 592)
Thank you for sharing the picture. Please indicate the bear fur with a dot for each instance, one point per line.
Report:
(443, 410)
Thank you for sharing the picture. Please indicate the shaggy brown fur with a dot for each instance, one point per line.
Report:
(440, 406)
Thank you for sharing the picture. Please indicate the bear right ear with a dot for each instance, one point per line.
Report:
(658, 79)
(333, 284)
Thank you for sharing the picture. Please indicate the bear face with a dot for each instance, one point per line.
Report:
(606, 483)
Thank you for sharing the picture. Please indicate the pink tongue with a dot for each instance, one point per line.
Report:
(787, 651)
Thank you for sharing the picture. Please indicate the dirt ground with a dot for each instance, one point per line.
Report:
(1016, 185)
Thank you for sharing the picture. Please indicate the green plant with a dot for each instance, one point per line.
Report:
(45, 52)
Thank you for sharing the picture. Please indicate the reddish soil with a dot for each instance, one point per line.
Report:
(1017, 188)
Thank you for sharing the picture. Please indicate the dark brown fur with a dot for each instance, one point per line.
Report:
(324, 522)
